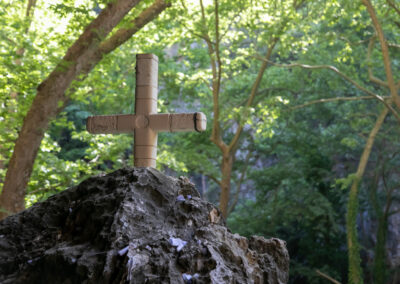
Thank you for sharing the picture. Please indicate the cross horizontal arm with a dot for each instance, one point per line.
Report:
(162, 122)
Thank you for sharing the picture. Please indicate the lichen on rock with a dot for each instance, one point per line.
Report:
(134, 225)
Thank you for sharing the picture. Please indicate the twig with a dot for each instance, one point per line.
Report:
(31, 5)
(254, 91)
(43, 189)
(229, 28)
(391, 4)
(389, 192)
(217, 42)
(239, 184)
(327, 277)
(347, 78)
(206, 83)
(354, 43)
(233, 144)
(8, 39)
(186, 26)
(371, 76)
(334, 100)
(214, 179)
(216, 128)
(394, 45)
(385, 51)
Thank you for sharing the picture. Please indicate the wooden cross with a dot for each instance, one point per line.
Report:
(146, 122)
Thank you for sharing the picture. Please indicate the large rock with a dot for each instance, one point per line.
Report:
(133, 226)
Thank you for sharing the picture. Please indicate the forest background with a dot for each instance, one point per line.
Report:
(301, 97)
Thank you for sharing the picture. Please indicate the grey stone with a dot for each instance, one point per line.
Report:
(118, 228)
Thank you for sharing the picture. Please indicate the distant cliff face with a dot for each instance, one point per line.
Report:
(133, 226)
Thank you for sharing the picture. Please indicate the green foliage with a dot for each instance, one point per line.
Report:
(302, 160)
(297, 198)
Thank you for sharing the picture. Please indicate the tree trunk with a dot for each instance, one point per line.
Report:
(355, 271)
(379, 265)
(9, 199)
(226, 169)
(51, 97)
(43, 109)
(380, 250)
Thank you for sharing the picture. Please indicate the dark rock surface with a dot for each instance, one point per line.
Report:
(133, 226)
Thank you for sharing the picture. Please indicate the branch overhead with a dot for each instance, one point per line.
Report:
(344, 76)
(124, 34)
(100, 27)
(51, 96)
(385, 52)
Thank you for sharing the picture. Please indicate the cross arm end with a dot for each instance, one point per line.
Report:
(176, 122)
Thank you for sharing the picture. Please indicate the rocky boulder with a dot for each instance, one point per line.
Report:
(133, 226)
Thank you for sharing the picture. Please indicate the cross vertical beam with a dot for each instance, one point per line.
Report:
(145, 146)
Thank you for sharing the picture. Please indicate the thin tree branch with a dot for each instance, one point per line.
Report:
(329, 67)
(8, 39)
(354, 43)
(184, 24)
(385, 52)
(347, 78)
(373, 190)
(229, 28)
(394, 45)
(99, 28)
(352, 203)
(217, 42)
(390, 191)
(28, 19)
(240, 182)
(124, 34)
(391, 4)
(216, 128)
(253, 93)
(184, 5)
(385, 185)
(279, 89)
(217, 84)
(29, 9)
(323, 275)
(206, 83)
(121, 36)
(232, 145)
(213, 178)
(44, 189)
(389, 201)
(372, 78)
(334, 100)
